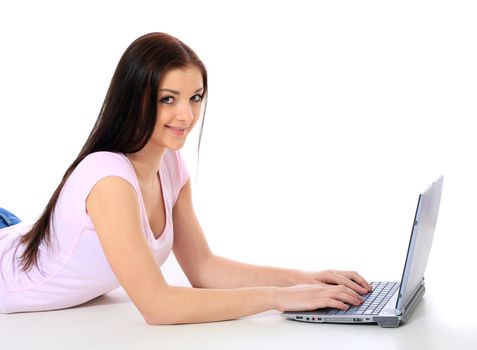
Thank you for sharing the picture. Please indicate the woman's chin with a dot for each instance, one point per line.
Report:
(175, 146)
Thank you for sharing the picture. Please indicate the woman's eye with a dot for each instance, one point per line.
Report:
(167, 100)
(196, 98)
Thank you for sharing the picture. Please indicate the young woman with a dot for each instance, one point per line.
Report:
(125, 203)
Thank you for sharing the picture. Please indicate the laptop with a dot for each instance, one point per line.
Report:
(391, 303)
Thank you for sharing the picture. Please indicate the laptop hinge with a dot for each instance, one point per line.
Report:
(414, 300)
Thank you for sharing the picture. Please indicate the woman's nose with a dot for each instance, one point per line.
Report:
(185, 112)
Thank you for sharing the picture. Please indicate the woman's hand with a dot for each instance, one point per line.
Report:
(315, 296)
(350, 279)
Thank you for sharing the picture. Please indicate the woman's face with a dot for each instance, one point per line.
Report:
(179, 107)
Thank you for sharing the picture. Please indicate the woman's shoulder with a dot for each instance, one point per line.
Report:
(104, 161)
(97, 165)
(93, 168)
(105, 157)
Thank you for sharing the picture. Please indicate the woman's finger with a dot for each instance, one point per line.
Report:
(344, 294)
(356, 277)
(331, 303)
(349, 279)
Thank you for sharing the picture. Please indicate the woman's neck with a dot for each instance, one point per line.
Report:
(146, 163)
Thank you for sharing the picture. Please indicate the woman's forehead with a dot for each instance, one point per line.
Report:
(184, 78)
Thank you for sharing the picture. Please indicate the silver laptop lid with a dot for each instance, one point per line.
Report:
(420, 243)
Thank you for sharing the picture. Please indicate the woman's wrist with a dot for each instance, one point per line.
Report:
(275, 298)
(301, 277)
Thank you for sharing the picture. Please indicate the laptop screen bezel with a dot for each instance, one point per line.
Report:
(409, 255)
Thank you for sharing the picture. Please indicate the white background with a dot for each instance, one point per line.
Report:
(325, 120)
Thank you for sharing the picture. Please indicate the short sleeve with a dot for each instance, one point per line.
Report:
(90, 170)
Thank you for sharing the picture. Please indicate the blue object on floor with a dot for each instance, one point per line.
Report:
(8, 219)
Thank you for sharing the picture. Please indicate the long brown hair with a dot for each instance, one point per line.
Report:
(127, 117)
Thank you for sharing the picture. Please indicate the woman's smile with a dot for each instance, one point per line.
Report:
(177, 130)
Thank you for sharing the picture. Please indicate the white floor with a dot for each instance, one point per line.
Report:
(112, 322)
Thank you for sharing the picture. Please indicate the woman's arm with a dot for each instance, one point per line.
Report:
(114, 210)
(226, 273)
(206, 270)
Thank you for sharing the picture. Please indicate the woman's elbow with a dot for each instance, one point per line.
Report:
(156, 320)
(163, 318)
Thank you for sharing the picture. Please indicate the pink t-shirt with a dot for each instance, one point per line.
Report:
(75, 269)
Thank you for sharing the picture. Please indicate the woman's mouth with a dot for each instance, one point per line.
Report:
(176, 130)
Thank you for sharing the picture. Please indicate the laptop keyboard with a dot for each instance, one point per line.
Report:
(373, 302)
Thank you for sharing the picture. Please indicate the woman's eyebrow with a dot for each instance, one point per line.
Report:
(178, 93)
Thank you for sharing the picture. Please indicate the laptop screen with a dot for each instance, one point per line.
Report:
(420, 243)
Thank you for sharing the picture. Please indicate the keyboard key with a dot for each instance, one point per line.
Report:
(352, 310)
